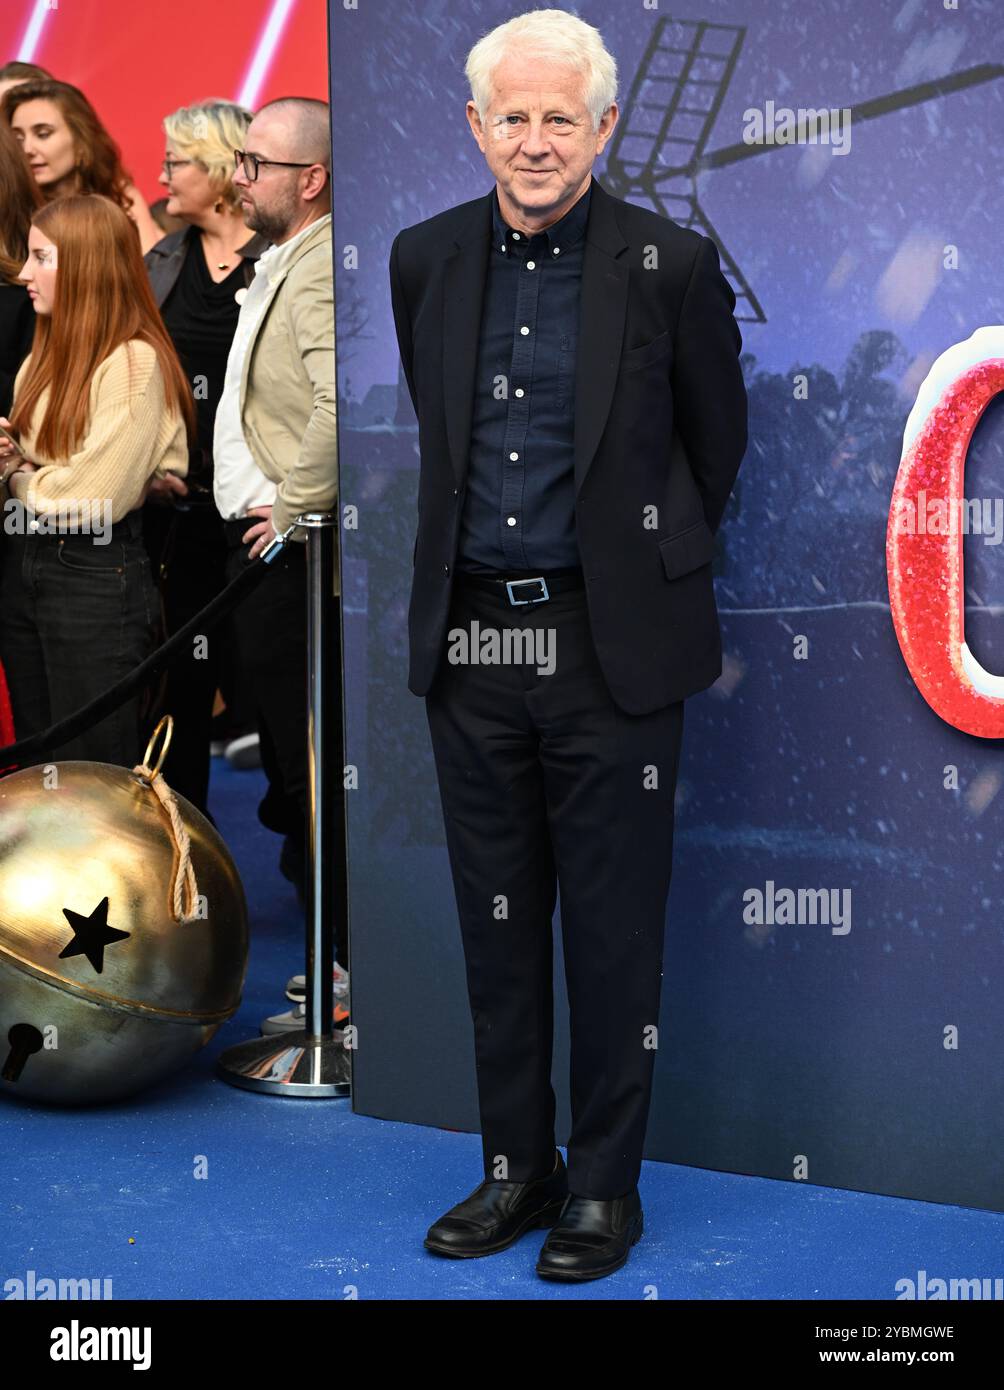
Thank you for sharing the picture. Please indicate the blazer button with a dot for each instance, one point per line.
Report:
(455, 491)
(446, 569)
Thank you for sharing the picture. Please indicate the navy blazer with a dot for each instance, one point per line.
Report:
(660, 433)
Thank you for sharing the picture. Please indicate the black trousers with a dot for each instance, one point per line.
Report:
(270, 632)
(547, 785)
(188, 553)
(75, 617)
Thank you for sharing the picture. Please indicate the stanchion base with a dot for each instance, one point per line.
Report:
(289, 1064)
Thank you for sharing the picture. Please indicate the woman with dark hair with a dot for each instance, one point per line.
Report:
(19, 197)
(100, 407)
(69, 151)
(13, 73)
(199, 276)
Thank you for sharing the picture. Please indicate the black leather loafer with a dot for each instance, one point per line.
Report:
(591, 1238)
(497, 1213)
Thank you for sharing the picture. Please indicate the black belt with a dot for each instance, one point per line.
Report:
(516, 590)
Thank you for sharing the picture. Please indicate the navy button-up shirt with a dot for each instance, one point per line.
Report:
(519, 508)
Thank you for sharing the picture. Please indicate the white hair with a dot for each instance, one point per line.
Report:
(553, 34)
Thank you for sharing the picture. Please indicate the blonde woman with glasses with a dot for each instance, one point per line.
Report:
(199, 276)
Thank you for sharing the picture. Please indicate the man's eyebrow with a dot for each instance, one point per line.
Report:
(517, 109)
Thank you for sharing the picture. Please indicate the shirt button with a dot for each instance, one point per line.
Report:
(510, 521)
(519, 391)
(557, 249)
(531, 265)
(514, 457)
(524, 330)
(515, 236)
(504, 246)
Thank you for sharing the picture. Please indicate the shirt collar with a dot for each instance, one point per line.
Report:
(559, 237)
(273, 261)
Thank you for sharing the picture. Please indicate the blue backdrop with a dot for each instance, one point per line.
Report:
(867, 1057)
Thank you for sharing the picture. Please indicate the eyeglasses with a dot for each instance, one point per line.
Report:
(253, 162)
(169, 165)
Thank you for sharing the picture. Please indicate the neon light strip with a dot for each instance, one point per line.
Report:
(29, 44)
(264, 53)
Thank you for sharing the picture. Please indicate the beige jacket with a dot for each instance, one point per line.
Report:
(287, 400)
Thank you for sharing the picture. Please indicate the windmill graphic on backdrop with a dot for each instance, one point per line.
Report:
(658, 147)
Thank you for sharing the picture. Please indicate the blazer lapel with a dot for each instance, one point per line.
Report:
(322, 230)
(464, 276)
(603, 308)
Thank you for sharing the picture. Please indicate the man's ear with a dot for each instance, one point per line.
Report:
(324, 184)
(474, 121)
(603, 136)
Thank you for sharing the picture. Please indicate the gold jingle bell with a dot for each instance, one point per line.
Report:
(123, 930)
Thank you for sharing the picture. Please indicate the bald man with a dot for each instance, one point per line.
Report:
(275, 444)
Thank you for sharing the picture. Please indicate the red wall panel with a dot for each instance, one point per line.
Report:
(137, 60)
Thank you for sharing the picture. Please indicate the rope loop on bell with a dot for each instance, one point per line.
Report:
(185, 890)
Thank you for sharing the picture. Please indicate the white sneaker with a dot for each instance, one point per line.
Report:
(290, 1022)
(295, 1020)
(296, 986)
(244, 752)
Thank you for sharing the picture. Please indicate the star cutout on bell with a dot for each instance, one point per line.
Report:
(91, 935)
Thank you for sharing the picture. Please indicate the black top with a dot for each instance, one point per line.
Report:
(519, 511)
(17, 330)
(201, 317)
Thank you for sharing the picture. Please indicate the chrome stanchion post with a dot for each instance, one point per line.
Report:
(312, 1062)
(320, 769)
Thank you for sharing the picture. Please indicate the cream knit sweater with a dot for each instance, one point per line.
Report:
(130, 437)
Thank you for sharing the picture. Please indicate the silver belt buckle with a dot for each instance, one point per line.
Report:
(515, 583)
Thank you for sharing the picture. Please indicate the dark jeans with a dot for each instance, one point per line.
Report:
(75, 617)
(270, 629)
(189, 553)
(547, 784)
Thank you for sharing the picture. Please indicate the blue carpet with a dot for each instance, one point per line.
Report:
(306, 1200)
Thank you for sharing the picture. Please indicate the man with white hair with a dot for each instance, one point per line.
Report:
(573, 360)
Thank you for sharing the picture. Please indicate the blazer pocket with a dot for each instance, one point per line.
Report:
(646, 354)
(687, 550)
